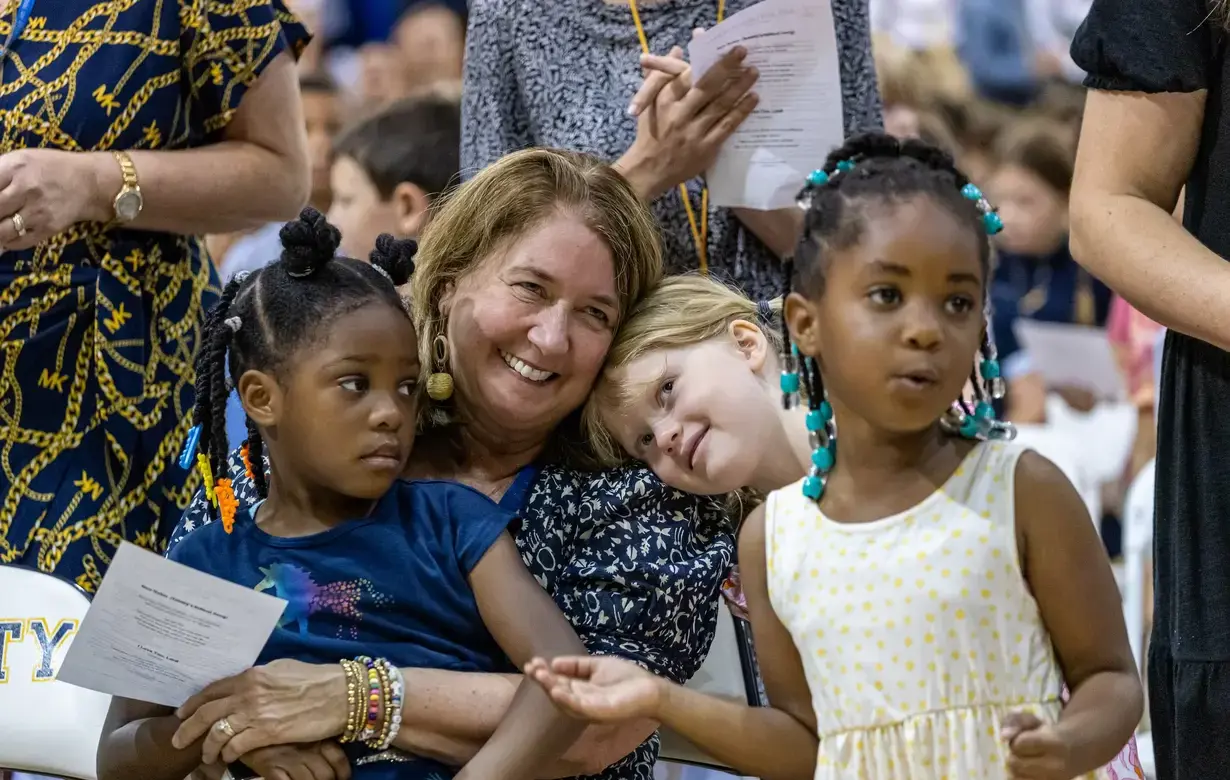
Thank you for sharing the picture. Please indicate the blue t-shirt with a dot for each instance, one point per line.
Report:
(394, 584)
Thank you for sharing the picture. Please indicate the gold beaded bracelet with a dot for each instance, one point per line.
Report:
(355, 692)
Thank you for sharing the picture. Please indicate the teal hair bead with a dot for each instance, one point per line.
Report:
(989, 369)
(822, 458)
(969, 427)
(815, 420)
(992, 222)
(790, 383)
(817, 178)
(845, 165)
(984, 411)
(826, 410)
(813, 488)
(971, 192)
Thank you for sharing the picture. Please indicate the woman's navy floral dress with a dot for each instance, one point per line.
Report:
(635, 566)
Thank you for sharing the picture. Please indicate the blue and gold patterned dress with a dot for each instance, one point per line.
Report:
(99, 325)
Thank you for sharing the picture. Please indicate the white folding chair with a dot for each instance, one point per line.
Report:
(728, 672)
(46, 727)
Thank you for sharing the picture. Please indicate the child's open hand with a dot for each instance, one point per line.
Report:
(1038, 749)
(321, 761)
(597, 688)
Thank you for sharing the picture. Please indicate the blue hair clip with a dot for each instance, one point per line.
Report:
(990, 219)
(189, 451)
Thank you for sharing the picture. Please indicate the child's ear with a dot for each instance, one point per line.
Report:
(261, 397)
(804, 324)
(411, 208)
(751, 342)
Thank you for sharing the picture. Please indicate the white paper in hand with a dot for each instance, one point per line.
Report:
(1072, 356)
(158, 631)
(799, 118)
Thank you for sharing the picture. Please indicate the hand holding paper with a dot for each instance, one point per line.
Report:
(798, 121)
(158, 631)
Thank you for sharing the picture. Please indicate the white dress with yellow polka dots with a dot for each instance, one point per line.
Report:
(918, 633)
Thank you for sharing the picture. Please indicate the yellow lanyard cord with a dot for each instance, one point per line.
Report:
(700, 233)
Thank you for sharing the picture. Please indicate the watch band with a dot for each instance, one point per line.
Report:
(127, 169)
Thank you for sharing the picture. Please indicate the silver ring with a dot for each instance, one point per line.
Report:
(19, 224)
(225, 727)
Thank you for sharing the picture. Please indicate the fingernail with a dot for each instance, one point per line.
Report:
(634, 109)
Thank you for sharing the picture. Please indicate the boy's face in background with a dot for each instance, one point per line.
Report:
(362, 214)
(323, 120)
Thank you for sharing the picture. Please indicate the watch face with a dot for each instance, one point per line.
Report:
(128, 205)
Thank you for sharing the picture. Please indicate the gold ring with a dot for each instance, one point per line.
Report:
(19, 224)
(225, 727)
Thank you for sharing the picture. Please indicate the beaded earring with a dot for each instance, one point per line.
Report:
(821, 431)
(440, 382)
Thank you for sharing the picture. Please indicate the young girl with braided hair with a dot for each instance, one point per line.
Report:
(378, 573)
(920, 597)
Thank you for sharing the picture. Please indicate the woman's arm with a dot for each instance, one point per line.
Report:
(525, 622)
(778, 230)
(136, 744)
(1070, 577)
(1135, 154)
(259, 172)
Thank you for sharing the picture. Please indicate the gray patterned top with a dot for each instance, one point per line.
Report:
(560, 73)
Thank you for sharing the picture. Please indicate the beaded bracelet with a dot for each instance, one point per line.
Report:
(393, 703)
(356, 700)
(386, 695)
(371, 726)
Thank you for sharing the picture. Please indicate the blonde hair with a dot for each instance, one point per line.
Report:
(507, 200)
(679, 312)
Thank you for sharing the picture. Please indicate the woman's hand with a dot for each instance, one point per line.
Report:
(681, 126)
(285, 702)
(46, 191)
(603, 689)
(319, 761)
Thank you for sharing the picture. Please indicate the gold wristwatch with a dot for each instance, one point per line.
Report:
(129, 202)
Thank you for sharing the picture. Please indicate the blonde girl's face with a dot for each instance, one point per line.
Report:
(699, 416)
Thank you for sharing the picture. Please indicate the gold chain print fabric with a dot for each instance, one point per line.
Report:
(99, 325)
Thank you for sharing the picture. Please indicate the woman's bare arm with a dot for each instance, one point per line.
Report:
(778, 230)
(1135, 154)
(258, 173)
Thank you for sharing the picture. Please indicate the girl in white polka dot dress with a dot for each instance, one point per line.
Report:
(918, 601)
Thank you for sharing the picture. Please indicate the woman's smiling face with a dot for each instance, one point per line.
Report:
(530, 327)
